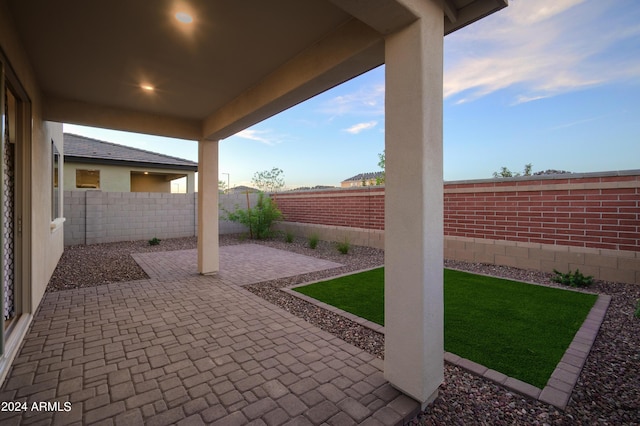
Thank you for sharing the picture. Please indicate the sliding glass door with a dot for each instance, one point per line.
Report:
(13, 107)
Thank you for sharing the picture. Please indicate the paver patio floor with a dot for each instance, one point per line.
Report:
(240, 264)
(191, 349)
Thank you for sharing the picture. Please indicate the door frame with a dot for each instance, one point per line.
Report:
(11, 338)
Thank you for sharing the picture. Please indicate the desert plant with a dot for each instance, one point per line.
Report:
(313, 240)
(258, 219)
(288, 237)
(573, 279)
(344, 246)
(154, 241)
(637, 312)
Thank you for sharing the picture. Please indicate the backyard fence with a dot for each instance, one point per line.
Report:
(588, 221)
(101, 217)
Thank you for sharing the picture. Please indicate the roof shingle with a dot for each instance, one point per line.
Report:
(80, 148)
(365, 176)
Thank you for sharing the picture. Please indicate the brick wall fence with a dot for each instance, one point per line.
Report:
(101, 217)
(588, 221)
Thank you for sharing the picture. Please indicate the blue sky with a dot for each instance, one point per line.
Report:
(555, 83)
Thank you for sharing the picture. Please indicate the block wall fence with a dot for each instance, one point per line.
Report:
(94, 217)
(588, 221)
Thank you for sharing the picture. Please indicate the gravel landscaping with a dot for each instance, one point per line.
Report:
(607, 392)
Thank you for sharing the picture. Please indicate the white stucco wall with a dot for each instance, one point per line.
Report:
(47, 237)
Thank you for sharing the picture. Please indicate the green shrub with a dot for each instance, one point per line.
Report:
(288, 237)
(313, 241)
(573, 279)
(637, 313)
(154, 241)
(344, 246)
(258, 219)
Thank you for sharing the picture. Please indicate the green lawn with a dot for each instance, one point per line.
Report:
(518, 329)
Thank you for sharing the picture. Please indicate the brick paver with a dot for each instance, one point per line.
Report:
(181, 348)
(241, 264)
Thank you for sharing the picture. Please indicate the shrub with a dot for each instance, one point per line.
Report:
(154, 241)
(313, 241)
(637, 313)
(573, 279)
(258, 219)
(288, 237)
(344, 246)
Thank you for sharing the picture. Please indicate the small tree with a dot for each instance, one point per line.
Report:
(381, 179)
(269, 180)
(222, 186)
(506, 173)
(258, 219)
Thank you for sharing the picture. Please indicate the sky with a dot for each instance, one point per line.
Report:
(554, 83)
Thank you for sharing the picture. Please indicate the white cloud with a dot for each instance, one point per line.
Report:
(357, 128)
(368, 100)
(262, 136)
(531, 12)
(577, 122)
(542, 48)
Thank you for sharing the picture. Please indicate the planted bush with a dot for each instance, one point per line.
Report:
(313, 241)
(154, 241)
(573, 279)
(344, 246)
(288, 237)
(258, 219)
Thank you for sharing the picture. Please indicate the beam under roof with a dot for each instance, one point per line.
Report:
(75, 112)
(350, 50)
(472, 12)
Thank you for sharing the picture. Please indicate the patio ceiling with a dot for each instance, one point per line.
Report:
(237, 63)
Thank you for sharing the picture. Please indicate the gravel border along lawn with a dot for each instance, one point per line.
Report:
(607, 392)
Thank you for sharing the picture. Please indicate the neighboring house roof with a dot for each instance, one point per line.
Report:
(365, 176)
(304, 188)
(242, 189)
(80, 149)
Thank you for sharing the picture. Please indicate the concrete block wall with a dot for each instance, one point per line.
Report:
(101, 217)
(604, 264)
(356, 236)
(230, 202)
(75, 211)
(94, 217)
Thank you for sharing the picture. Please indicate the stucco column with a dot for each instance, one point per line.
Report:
(191, 182)
(414, 311)
(208, 242)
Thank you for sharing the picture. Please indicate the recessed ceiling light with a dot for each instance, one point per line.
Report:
(147, 87)
(184, 17)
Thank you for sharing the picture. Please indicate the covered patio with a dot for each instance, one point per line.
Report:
(204, 71)
(185, 348)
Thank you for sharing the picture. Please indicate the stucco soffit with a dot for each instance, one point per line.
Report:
(389, 16)
(384, 16)
(86, 114)
(348, 51)
(470, 13)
